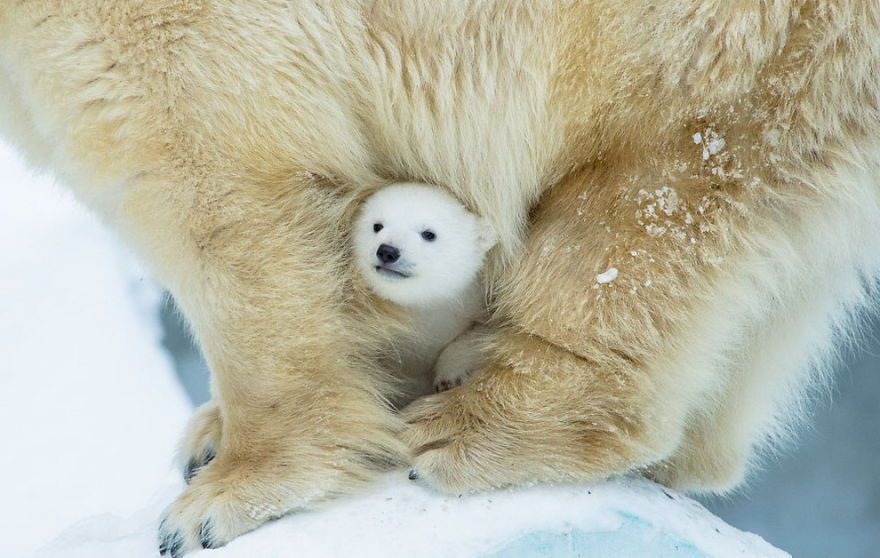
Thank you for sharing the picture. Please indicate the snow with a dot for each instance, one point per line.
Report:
(716, 145)
(607, 276)
(398, 518)
(713, 144)
(90, 412)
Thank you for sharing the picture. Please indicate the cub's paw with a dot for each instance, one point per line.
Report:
(457, 363)
(201, 440)
(441, 385)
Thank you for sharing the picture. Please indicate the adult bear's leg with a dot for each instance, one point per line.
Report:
(301, 410)
(585, 379)
(253, 253)
(656, 298)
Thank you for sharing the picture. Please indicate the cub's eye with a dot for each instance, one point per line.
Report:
(378, 227)
(429, 236)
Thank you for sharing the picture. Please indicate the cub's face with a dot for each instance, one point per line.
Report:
(417, 245)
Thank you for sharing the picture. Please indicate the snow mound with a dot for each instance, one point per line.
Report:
(630, 518)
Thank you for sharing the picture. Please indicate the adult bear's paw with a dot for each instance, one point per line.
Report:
(221, 503)
(509, 428)
(273, 471)
(455, 446)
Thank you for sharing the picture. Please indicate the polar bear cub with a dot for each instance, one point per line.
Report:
(419, 247)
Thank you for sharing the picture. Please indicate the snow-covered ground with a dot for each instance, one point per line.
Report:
(90, 411)
(395, 519)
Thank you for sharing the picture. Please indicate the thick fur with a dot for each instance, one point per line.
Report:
(228, 141)
(435, 281)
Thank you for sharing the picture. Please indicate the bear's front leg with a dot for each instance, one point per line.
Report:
(298, 413)
(250, 242)
(539, 413)
(611, 337)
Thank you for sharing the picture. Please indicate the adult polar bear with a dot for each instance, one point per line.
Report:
(723, 156)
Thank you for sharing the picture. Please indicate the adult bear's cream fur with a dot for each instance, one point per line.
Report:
(724, 156)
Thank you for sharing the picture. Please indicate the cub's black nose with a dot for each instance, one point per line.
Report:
(387, 254)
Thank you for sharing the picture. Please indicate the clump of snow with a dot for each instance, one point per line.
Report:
(712, 143)
(90, 410)
(667, 200)
(607, 276)
(663, 212)
(716, 145)
(655, 230)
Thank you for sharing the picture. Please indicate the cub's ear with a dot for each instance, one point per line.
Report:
(487, 236)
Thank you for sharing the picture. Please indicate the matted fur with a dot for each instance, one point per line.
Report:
(229, 142)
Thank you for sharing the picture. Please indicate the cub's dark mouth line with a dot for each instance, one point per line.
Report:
(391, 272)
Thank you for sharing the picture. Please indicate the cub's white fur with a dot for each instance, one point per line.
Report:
(419, 247)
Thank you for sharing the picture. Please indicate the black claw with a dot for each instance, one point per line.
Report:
(170, 544)
(164, 539)
(205, 537)
(413, 475)
(195, 465)
(176, 547)
(192, 467)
